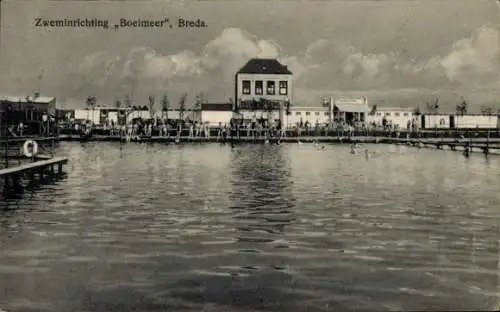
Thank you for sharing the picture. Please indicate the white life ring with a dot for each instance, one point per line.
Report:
(26, 148)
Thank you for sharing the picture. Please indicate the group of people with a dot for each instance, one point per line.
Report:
(46, 127)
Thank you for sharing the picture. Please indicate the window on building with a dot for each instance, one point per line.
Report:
(297, 114)
(316, 113)
(396, 114)
(246, 86)
(271, 88)
(327, 113)
(283, 87)
(405, 114)
(308, 113)
(388, 114)
(259, 87)
(379, 114)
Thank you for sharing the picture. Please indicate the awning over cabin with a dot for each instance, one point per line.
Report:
(351, 108)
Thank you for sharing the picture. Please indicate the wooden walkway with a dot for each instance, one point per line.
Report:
(13, 175)
(34, 166)
(12, 140)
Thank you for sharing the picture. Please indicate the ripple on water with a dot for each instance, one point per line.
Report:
(254, 227)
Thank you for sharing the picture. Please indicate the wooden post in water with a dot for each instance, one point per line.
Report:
(487, 148)
(120, 135)
(6, 138)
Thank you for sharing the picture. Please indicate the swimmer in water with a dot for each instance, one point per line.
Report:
(467, 152)
(320, 147)
(353, 149)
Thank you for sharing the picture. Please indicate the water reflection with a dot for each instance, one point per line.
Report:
(261, 200)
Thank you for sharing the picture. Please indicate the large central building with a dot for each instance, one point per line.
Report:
(263, 89)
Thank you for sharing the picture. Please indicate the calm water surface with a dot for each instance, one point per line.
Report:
(273, 228)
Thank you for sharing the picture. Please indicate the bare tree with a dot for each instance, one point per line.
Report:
(128, 101)
(91, 101)
(416, 111)
(436, 105)
(461, 108)
(374, 109)
(164, 106)
(182, 106)
(428, 106)
(433, 107)
(198, 101)
(151, 105)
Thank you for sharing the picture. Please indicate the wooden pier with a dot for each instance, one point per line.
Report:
(13, 175)
(20, 140)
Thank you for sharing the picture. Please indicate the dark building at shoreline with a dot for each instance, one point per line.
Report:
(29, 110)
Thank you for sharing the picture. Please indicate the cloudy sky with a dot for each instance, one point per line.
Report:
(399, 52)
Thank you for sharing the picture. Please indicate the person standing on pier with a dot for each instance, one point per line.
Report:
(45, 121)
(224, 132)
(249, 129)
(21, 128)
(206, 131)
(129, 130)
(197, 127)
(150, 128)
(219, 131)
(191, 130)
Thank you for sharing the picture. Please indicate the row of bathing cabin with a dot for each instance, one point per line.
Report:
(221, 113)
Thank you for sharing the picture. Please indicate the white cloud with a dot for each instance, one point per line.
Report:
(476, 59)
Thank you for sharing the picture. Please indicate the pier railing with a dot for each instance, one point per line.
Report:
(295, 132)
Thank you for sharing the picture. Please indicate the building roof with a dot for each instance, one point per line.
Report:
(309, 109)
(221, 107)
(22, 99)
(264, 66)
(352, 107)
(394, 109)
(108, 108)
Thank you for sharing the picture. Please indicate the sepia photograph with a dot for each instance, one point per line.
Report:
(245, 155)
